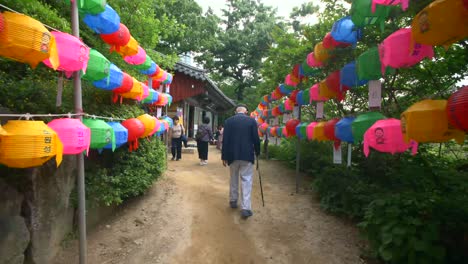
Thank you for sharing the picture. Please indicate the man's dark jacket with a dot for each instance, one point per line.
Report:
(240, 139)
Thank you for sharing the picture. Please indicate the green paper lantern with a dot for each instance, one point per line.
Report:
(361, 13)
(368, 65)
(303, 130)
(93, 7)
(98, 66)
(364, 122)
(306, 96)
(101, 133)
(309, 71)
(146, 65)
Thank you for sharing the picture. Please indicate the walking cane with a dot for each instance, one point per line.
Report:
(261, 187)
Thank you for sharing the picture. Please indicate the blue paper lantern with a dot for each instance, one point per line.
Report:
(349, 77)
(344, 31)
(343, 130)
(112, 81)
(121, 135)
(299, 99)
(106, 22)
(152, 97)
(151, 70)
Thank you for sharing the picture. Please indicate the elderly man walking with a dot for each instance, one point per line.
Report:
(240, 144)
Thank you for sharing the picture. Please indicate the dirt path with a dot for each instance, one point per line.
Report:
(185, 218)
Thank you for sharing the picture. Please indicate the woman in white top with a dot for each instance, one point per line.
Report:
(177, 131)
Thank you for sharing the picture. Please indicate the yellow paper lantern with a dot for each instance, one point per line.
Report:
(135, 92)
(321, 53)
(128, 50)
(149, 122)
(426, 121)
(442, 22)
(319, 132)
(326, 92)
(26, 40)
(26, 144)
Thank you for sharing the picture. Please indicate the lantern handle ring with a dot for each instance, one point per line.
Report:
(69, 115)
(27, 116)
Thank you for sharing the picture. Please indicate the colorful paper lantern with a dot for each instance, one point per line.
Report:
(156, 127)
(135, 92)
(293, 96)
(329, 129)
(135, 130)
(168, 79)
(314, 94)
(138, 58)
(442, 22)
(457, 109)
(121, 135)
(98, 66)
(128, 50)
(90, 6)
(27, 144)
(330, 43)
(385, 136)
(288, 105)
(106, 22)
(112, 81)
(368, 65)
(73, 134)
(118, 38)
(325, 91)
(284, 132)
(334, 84)
(362, 15)
(363, 122)
(343, 130)
(101, 133)
(344, 30)
(319, 131)
(291, 126)
(151, 70)
(426, 121)
(26, 40)
(153, 97)
(145, 65)
(126, 86)
(148, 122)
(349, 77)
(289, 81)
(306, 97)
(309, 71)
(310, 130)
(73, 55)
(398, 51)
(404, 3)
(285, 89)
(313, 62)
(321, 53)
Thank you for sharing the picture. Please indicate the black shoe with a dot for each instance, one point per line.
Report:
(173, 158)
(233, 204)
(246, 213)
(177, 159)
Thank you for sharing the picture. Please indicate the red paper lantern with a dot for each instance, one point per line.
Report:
(127, 84)
(330, 43)
(119, 38)
(291, 127)
(136, 129)
(293, 96)
(329, 131)
(457, 109)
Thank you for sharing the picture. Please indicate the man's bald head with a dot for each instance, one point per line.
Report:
(241, 110)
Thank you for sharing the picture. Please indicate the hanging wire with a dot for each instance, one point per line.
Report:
(29, 116)
(14, 11)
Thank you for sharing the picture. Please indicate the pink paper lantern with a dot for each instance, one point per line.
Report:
(75, 136)
(386, 136)
(284, 132)
(314, 94)
(145, 92)
(288, 81)
(310, 130)
(138, 58)
(404, 3)
(72, 53)
(398, 50)
(156, 127)
(288, 105)
(312, 62)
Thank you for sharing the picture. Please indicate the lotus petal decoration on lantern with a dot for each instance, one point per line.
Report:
(321, 53)
(106, 22)
(101, 133)
(426, 121)
(398, 51)
(368, 65)
(112, 81)
(314, 94)
(128, 50)
(121, 135)
(363, 122)
(349, 77)
(73, 134)
(98, 66)
(118, 38)
(319, 131)
(138, 58)
(442, 22)
(385, 136)
(291, 126)
(362, 15)
(148, 122)
(90, 6)
(135, 130)
(343, 130)
(457, 109)
(344, 30)
(330, 43)
(26, 40)
(404, 3)
(27, 144)
(310, 130)
(73, 55)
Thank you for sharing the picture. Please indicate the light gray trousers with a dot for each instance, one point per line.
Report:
(244, 169)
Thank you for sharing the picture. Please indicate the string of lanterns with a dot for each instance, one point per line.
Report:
(425, 121)
(28, 143)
